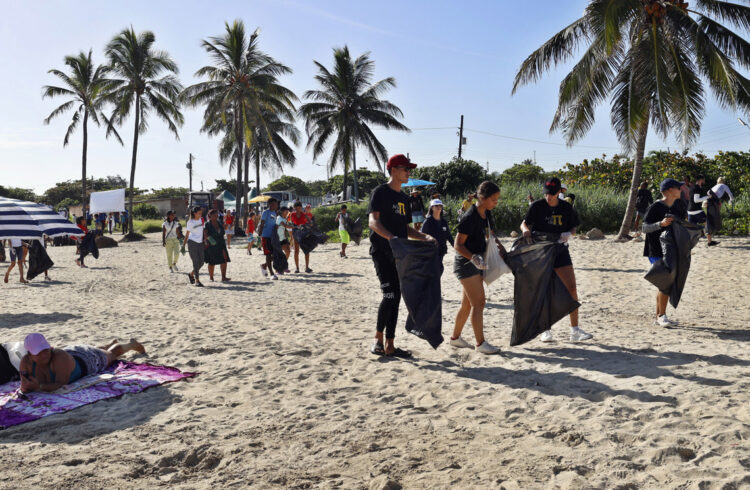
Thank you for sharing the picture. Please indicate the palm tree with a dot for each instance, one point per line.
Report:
(652, 58)
(144, 78)
(242, 85)
(85, 86)
(346, 106)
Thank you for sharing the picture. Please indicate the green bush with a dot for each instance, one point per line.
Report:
(146, 211)
(325, 216)
(147, 226)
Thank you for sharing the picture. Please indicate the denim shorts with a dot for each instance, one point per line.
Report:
(417, 217)
(16, 254)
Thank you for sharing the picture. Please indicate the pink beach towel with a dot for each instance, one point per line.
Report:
(120, 378)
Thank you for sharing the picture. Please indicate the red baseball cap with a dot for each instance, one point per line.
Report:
(399, 161)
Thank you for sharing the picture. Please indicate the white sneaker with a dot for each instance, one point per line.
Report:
(263, 270)
(170, 270)
(546, 336)
(274, 277)
(577, 335)
(663, 321)
(460, 343)
(175, 268)
(486, 348)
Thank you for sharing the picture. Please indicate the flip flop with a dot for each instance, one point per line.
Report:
(404, 354)
(377, 349)
(191, 278)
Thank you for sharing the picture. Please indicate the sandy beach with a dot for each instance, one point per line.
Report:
(288, 395)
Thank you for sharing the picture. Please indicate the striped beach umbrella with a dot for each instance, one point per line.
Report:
(25, 220)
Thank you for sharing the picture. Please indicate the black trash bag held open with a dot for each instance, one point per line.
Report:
(39, 261)
(540, 299)
(670, 273)
(309, 237)
(354, 228)
(713, 216)
(418, 266)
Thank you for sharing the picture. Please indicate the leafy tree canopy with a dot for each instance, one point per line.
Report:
(18, 193)
(289, 182)
(455, 178)
(524, 172)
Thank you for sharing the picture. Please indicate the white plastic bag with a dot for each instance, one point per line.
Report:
(496, 266)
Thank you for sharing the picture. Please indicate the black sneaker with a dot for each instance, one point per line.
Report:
(308, 270)
(712, 244)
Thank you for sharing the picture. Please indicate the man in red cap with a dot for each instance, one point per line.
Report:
(389, 218)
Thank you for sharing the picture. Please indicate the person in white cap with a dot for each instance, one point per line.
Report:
(437, 227)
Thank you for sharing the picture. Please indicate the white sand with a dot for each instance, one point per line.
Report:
(289, 396)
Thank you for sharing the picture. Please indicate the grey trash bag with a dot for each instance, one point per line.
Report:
(670, 273)
(540, 299)
(418, 266)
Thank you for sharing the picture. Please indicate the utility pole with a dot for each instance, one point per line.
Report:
(190, 172)
(460, 136)
(534, 157)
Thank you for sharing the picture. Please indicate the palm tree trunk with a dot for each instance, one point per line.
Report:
(245, 187)
(346, 177)
(354, 163)
(240, 137)
(257, 171)
(83, 160)
(132, 163)
(635, 183)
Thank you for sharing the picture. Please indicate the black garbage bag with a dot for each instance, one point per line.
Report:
(88, 245)
(354, 228)
(540, 299)
(280, 264)
(39, 261)
(2, 251)
(670, 273)
(713, 216)
(309, 237)
(418, 266)
(8, 371)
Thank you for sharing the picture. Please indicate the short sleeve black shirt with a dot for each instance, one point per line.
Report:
(475, 228)
(541, 217)
(393, 207)
(416, 204)
(643, 200)
(657, 212)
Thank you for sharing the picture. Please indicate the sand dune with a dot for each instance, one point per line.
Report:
(288, 395)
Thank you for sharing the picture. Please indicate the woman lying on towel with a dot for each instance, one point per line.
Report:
(44, 368)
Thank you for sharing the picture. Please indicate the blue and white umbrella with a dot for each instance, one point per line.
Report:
(25, 220)
(417, 183)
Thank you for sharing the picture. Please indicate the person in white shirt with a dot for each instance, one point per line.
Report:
(721, 188)
(17, 252)
(196, 241)
(170, 239)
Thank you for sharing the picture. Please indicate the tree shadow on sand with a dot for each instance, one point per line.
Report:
(94, 420)
(722, 333)
(622, 362)
(13, 320)
(554, 384)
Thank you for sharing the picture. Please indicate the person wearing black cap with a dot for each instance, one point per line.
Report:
(654, 222)
(389, 217)
(553, 215)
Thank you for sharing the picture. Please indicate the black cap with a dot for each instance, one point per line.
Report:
(552, 186)
(669, 183)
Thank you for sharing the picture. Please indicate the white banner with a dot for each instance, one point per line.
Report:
(107, 201)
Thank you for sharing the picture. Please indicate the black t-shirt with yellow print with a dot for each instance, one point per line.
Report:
(541, 217)
(395, 215)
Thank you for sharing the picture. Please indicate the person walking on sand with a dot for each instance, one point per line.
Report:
(216, 250)
(341, 218)
(18, 250)
(81, 223)
(196, 242)
(282, 229)
(389, 218)
(229, 227)
(473, 236)
(653, 224)
(643, 200)
(250, 232)
(437, 227)
(170, 239)
(266, 230)
(417, 209)
(299, 219)
(551, 215)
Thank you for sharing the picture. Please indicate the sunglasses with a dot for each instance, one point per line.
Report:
(407, 169)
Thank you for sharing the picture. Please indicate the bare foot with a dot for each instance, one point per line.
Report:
(225, 279)
(6, 278)
(24, 281)
(106, 347)
(137, 346)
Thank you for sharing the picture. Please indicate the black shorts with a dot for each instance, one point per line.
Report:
(284, 242)
(463, 268)
(563, 257)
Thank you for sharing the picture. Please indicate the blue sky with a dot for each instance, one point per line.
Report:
(449, 58)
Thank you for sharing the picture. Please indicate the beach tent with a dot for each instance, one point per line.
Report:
(107, 201)
(226, 196)
(417, 183)
(25, 220)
